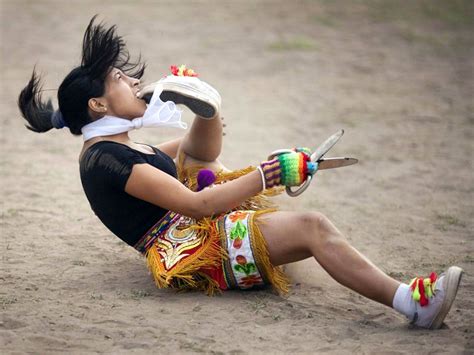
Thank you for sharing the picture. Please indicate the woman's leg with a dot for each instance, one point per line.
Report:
(294, 236)
(203, 144)
(204, 140)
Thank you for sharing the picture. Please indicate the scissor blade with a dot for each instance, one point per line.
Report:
(328, 144)
(331, 163)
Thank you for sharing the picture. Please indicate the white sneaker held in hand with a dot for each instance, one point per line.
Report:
(200, 97)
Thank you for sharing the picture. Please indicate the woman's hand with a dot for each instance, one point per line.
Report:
(288, 169)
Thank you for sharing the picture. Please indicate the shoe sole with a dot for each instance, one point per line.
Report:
(198, 106)
(204, 105)
(451, 285)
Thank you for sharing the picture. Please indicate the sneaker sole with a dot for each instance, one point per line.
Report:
(451, 285)
(198, 106)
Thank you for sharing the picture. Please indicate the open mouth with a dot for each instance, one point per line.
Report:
(146, 97)
(138, 97)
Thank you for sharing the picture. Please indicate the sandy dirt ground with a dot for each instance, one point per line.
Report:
(397, 76)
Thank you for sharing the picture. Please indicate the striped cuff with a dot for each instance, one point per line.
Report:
(272, 172)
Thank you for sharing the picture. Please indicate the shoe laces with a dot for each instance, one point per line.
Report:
(423, 288)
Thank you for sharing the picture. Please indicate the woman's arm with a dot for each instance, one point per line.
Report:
(152, 185)
(170, 148)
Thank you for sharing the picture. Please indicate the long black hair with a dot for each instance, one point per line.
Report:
(102, 50)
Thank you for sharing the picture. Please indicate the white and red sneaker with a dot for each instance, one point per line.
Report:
(434, 296)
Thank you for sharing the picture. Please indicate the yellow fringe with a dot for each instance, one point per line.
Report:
(188, 176)
(276, 277)
(185, 275)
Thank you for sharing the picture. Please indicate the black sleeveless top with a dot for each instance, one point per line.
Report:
(105, 168)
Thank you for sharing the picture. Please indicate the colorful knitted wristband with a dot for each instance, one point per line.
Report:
(289, 169)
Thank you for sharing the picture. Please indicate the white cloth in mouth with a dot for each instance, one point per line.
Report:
(158, 113)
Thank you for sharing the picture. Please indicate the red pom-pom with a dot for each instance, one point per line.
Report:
(421, 289)
(174, 70)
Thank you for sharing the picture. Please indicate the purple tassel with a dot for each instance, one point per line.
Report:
(205, 178)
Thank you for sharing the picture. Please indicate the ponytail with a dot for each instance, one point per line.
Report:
(33, 109)
(102, 50)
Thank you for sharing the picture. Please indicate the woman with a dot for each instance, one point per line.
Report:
(199, 225)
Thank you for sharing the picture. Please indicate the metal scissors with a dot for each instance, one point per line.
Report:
(317, 157)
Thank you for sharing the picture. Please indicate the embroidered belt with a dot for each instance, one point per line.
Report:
(241, 269)
(160, 227)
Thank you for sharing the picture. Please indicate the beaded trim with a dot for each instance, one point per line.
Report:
(161, 226)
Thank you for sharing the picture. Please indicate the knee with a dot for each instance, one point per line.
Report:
(314, 221)
(320, 227)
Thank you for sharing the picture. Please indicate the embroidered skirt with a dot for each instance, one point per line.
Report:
(215, 253)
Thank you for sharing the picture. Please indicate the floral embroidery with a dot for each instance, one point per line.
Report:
(237, 233)
(249, 281)
(239, 245)
(244, 266)
(247, 269)
(241, 260)
(238, 215)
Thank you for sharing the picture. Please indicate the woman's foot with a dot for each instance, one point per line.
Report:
(427, 301)
(197, 95)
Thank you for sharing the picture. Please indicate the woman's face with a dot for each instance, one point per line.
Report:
(121, 96)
